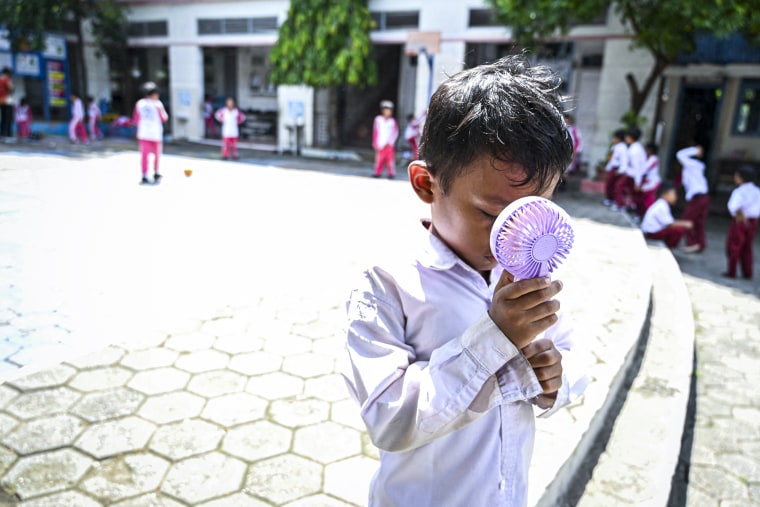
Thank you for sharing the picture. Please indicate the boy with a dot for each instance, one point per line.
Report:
(230, 117)
(658, 222)
(384, 135)
(150, 116)
(93, 118)
(77, 132)
(697, 198)
(412, 133)
(646, 193)
(744, 206)
(618, 160)
(443, 354)
(23, 119)
(575, 135)
(632, 172)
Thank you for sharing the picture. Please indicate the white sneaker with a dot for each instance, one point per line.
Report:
(607, 202)
(615, 207)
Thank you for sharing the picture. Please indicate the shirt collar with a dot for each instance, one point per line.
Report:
(435, 254)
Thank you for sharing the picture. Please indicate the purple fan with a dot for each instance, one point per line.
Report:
(531, 237)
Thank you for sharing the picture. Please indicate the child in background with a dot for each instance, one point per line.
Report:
(444, 353)
(697, 199)
(412, 133)
(630, 176)
(23, 119)
(618, 160)
(658, 222)
(93, 117)
(384, 135)
(646, 193)
(744, 206)
(208, 116)
(149, 116)
(575, 135)
(230, 117)
(77, 131)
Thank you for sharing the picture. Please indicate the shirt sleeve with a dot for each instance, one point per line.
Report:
(406, 402)
(734, 202)
(639, 163)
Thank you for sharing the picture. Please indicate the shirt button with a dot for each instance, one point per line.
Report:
(502, 485)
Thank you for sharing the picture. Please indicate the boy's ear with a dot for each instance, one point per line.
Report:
(422, 181)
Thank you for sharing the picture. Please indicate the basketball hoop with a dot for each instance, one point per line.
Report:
(428, 43)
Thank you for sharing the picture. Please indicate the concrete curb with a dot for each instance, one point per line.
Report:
(640, 459)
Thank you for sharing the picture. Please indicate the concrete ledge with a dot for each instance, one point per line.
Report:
(640, 459)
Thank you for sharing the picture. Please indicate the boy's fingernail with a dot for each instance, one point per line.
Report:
(559, 282)
(547, 280)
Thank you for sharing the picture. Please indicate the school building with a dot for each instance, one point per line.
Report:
(195, 48)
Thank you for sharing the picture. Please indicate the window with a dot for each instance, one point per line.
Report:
(747, 121)
(396, 19)
(148, 29)
(482, 17)
(236, 25)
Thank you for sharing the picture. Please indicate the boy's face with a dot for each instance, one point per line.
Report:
(629, 140)
(230, 104)
(387, 112)
(671, 197)
(463, 217)
(738, 180)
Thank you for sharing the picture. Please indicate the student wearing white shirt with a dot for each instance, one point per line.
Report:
(384, 135)
(77, 132)
(443, 354)
(744, 206)
(658, 222)
(645, 194)
(697, 198)
(231, 118)
(149, 116)
(633, 171)
(618, 160)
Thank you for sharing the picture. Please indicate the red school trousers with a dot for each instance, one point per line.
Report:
(739, 246)
(644, 199)
(609, 184)
(696, 210)
(623, 190)
(385, 156)
(229, 147)
(670, 235)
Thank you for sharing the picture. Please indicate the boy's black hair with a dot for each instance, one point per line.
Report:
(619, 133)
(652, 147)
(6, 70)
(149, 88)
(634, 132)
(664, 187)
(747, 173)
(507, 110)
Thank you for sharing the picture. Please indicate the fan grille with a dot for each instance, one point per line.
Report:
(532, 237)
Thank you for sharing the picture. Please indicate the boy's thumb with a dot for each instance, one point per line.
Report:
(505, 279)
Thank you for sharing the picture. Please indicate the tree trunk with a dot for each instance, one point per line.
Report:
(333, 127)
(82, 70)
(639, 95)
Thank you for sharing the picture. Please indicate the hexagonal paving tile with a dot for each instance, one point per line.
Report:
(166, 408)
(44, 433)
(232, 409)
(287, 345)
(151, 500)
(202, 360)
(201, 478)
(100, 379)
(319, 501)
(224, 326)
(150, 358)
(114, 437)
(238, 343)
(160, 380)
(51, 377)
(104, 357)
(283, 478)
(102, 405)
(308, 365)
(65, 499)
(236, 500)
(44, 402)
(47, 472)
(7, 394)
(295, 413)
(190, 341)
(216, 383)
(329, 388)
(275, 385)
(327, 442)
(253, 441)
(7, 423)
(346, 412)
(124, 476)
(255, 363)
(186, 438)
(349, 479)
(7, 458)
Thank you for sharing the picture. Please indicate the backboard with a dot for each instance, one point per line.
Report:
(423, 42)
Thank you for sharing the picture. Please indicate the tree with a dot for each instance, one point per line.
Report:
(28, 21)
(325, 44)
(664, 28)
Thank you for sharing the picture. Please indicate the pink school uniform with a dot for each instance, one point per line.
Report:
(93, 117)
(149, 116)
(23, 120)
(384, 135)
(77, 131)
(230, 120)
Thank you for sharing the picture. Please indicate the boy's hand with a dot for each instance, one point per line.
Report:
(523, 309)
(546, 361)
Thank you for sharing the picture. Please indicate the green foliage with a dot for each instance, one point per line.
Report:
(28, 20)
(325, 43)
(631, 119)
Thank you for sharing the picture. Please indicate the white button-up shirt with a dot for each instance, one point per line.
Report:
(651, 179)
(619, 157)
(692, 173)
(445, 396)
(657, 217)
(637, 162)
(745, 198)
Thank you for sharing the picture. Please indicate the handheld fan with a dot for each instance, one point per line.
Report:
(531, 237)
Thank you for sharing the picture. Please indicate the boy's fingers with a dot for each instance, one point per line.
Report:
(505, 279)
(536, 347)
(542, 310)
(542, 325)
(520, 288)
